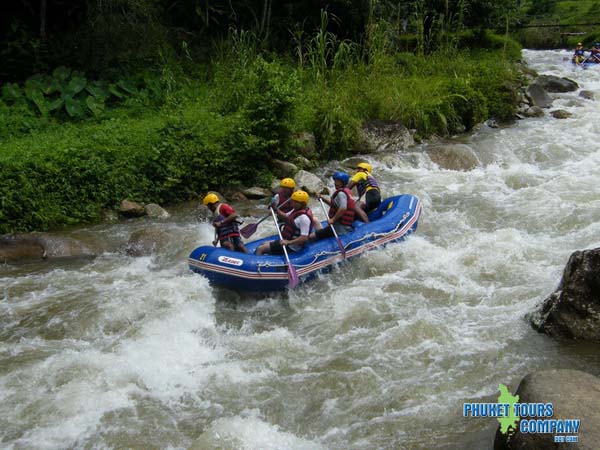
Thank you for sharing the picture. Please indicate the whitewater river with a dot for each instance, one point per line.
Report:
(119, 352)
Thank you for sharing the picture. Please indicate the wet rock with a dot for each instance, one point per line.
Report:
(155, 211)
(237, 197)
(147, 241)
(309, 182)
(131, 209)
(538, 96)
(534, 111)
(283, 169)
(257, 193)
(561, 114)
(384, 136)
(453, 157)
(552, 83)
(64, 247)
(24, 247)
(573, 394)
(14, 248)
(573, 310)
(588, 95)
(351, 163)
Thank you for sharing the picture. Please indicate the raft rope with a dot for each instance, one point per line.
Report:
(371, 236)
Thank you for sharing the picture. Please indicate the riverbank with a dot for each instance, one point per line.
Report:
(225, 126)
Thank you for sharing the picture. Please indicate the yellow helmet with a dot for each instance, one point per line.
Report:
(210, 198)
(300, 196)
(366, 166)
(288, 183)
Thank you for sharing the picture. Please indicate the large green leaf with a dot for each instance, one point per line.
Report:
(98, 91)
(51, 85)
(41, 103)
(11, 92)
(76, 85)
(95, 105)
(56, 104)
(114, 90)
(127, 85)
(74, 107)
(36, 82)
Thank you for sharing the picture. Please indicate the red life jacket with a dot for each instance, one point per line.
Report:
(282, 199)
(348, 216)
(230, 230)
(290, 231)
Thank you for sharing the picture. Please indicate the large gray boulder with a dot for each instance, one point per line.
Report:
(15, 248)
(284, 169)
(573, 310)
(309, 182)
(38, 246)
(453, 156)
(131, 209)
(384, 136)
(552, 83)
(155, 211)
(573, 394)
(147, 241)
(538, 96)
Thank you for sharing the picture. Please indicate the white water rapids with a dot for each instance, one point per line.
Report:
(123, 352)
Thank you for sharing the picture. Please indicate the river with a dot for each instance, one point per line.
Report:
(123, 352)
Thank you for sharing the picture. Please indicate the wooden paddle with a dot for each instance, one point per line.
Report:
(339, 242)
(292, 274)
(250, 229)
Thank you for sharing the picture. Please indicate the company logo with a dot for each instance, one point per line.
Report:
(232, 261)
(526, 417)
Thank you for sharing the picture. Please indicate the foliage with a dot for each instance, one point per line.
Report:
(65, 92)
(181, 128)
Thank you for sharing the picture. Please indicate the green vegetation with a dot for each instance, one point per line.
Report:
(582, 15)
(73, 142)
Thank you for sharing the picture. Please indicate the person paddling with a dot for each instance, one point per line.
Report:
(579, 54)
(280, 200)
(595, 53)
(296, 229)
(365, 185)
(341, 209)
(225, 223)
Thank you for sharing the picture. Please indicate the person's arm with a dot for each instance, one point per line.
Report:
(342, 204)
(326, 200)
(302, 222)
(300, 240)
(274, 201)
(356, 178)
(229, 214)
(280, 213)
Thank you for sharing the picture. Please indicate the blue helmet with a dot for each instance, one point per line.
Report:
(597, 44)
(342, 176)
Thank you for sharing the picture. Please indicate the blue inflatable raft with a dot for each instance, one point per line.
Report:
(395, 219)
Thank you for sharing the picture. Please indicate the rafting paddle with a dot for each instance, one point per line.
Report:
(250, 229)
(292, 274)
(337, 238)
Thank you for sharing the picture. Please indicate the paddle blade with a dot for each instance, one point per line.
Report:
(292, 276)
(248, 230)
(341, 246)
